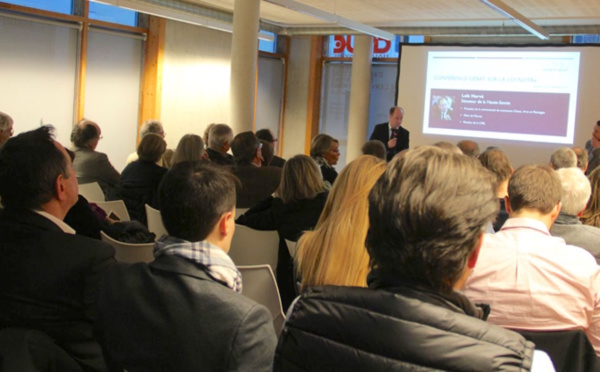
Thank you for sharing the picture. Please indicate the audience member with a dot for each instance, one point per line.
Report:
(533, 281)
(447, 146)
(184, 311)
(297, 206)
(563, 157)
(153, 126)
(190, 149)
(91, 165)
(593, 148)
(576, 191)
(469, 148)
(421, 245)
(582, 158)
(324, 149)
(391, 134)
(498, 164)
(334, 253)
(140, 179)
(207, 132)
(375, 148)
(6, 128)
(219, 142)
(49, 275)
(266, 152)
(266, 135)
(591, 216)
(257, 182)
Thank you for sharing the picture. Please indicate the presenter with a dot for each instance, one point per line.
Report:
(394, 137)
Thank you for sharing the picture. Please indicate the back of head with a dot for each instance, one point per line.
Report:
(576, 190)
(83, 132)
(192, 198)
(207, 133)
(375, 148)
(300, 180)
(151, 147)
(5, 121)
(320, 145)
(29, 166)
(152, 126)
(265, 135)
(496, 161)
(244, 147)
(563, 157)
(219, 135)
(189, 149)
(334, 252)
(426, 215)
(582, 158)
(534, 187)
(469, 148)
(447, 146)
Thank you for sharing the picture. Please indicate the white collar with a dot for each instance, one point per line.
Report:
(63, 226)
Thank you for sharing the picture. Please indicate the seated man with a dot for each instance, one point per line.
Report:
(267, 135)
(534, 281)
(6, 128)
(563, 157)
(48, 275)
(469, 148)
(258, 182)
(219, 142)
(91, 165)
(422, 244)
(576, 191)
(499, 166)
(184, 311)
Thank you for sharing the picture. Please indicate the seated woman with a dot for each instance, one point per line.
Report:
(334, 252)
(324, 150)
(591, 215)
(296, 207)
(190, 149)
(140, 179)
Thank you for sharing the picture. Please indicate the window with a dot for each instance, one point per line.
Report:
(58, 6)
(113, 14)
(586, 39)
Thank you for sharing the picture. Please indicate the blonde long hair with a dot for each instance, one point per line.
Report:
(334, 252)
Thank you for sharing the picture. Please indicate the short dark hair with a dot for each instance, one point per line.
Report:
(83, 132)
(151, 147)
(265, 135)
(534, 187)
(267, 152)
(244, 147)
(375, 148)
(496, 161)
(426, 213)
(193, 197)
(29, 165)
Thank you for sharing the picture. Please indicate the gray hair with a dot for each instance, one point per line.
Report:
(563, 157)
(152, 126)
(218, 135)
(5, 120)
(576, 190)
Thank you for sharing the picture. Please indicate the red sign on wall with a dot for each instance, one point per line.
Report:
(343, 45)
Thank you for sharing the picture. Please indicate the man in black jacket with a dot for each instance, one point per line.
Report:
(427, 216)
(391, 134)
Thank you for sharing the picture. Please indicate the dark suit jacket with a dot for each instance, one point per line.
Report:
(48, 282)
(92, 166)
(218, 158)
(277, 162)
(169, 315)
(258, 183)
(382, 133)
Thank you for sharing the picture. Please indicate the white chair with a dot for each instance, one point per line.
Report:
(259, 285)
(291, 246)
(240, 211)
(92, 192)
(155, 224)
(117, 207)
(254, 247)
(129, 252)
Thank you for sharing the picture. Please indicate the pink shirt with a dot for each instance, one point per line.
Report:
(534, 281)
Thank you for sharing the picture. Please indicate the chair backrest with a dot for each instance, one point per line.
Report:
(92, 192)
(240, 211)
(117, 207)
(254, 247)
(155, 224)
(569, 350)
(291, 246)
(258, 284)
(128, 252)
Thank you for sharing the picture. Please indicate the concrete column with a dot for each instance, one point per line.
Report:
(360, 91)
(244, 54)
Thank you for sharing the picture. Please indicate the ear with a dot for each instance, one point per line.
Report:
(555, 211)
(225, 225)
(59, 188)
(581, 212)
(507, 205)
(475, 254)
